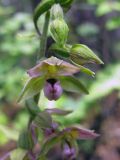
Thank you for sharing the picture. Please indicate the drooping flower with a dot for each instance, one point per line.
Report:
(70, 147)
(52, 75)
(68, 138)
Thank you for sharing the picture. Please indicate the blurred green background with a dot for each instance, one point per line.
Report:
(95, 23)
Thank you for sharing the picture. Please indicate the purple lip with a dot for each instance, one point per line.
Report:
(52, 89)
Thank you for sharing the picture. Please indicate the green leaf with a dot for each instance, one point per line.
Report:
(81, 54)
(18, 154)
(62, 51)
(72, 84)
(25, 140)
(43, 120)
(43, 6)
(56, 111)
(31, 88)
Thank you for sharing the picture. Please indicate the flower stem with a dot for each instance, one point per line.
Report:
(43, 40)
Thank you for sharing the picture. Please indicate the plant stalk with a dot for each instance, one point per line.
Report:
(43, 40)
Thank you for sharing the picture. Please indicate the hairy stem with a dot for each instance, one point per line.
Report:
(43, 40)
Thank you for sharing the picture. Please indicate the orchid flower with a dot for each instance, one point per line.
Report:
(53, 76)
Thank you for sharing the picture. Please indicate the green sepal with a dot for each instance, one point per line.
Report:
(43, 6)
(25, 140)
(81, 54)
(43, 120)
(31, 88)
(60, 51)
(72, 84)
(84, 69)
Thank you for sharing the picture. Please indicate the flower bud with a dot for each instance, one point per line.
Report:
(81, 54)
(52, 89)
(59, 31)
(56, 12)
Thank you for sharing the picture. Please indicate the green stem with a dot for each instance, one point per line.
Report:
(43, 40)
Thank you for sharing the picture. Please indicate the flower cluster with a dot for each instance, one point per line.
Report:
(54, 75)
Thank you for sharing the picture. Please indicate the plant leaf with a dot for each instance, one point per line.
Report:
(59, 112)
(43, 120)
(43, 6)
(72, 84)
(31, 88)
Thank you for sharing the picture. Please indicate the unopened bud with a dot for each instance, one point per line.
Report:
(52, 89)
(56, 12)
(59, 31)
(81, 54)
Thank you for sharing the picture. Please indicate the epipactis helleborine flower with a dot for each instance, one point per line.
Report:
(52, 75)
(67, 138)
(70, 148)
